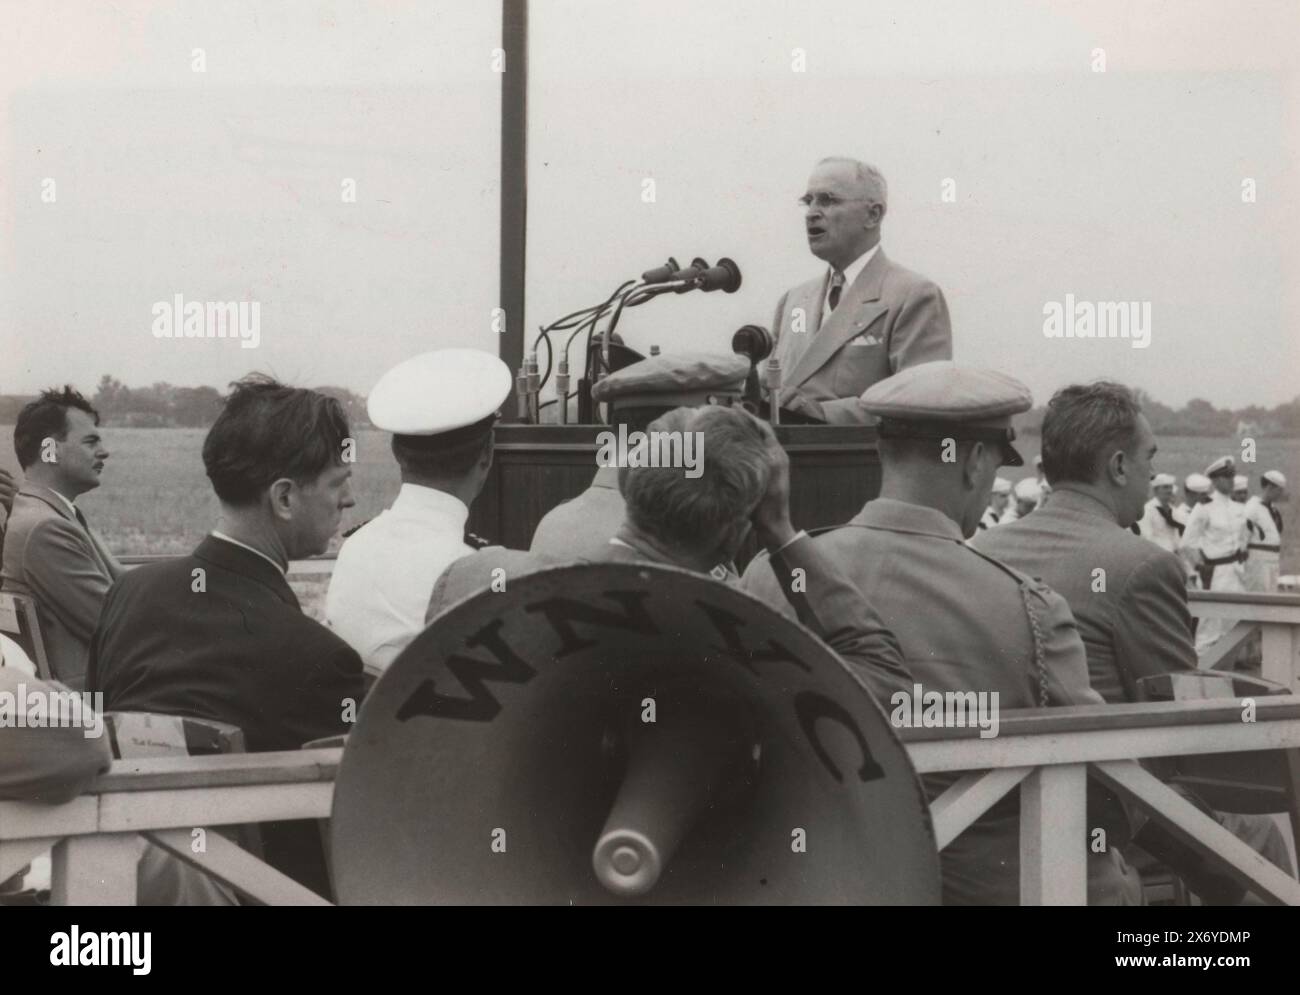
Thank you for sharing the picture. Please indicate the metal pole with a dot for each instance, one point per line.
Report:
(514, 181)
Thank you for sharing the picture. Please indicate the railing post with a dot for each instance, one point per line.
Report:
(95, 870)
(1280, 647)
(1053, 836)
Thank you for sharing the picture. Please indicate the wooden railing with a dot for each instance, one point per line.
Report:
(1047, 754)
(1276, 619)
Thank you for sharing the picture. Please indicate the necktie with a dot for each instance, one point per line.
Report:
(81, 518)
(837, 285)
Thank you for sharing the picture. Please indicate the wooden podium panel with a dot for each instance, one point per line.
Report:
(834, 470)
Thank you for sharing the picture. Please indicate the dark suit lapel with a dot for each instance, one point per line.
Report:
(248, 564)
(859, 307)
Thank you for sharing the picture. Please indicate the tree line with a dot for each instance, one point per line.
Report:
(164, 405)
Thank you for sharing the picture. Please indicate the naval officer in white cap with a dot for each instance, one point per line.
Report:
(441, 408)
(998, 502)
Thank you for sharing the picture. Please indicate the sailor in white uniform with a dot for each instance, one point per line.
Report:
(441, 408)
(1264, 524)
(1217, 531)
(1158, 522)
(1027, 494)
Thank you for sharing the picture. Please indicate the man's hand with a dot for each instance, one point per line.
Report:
(771, 518)
(8, 488)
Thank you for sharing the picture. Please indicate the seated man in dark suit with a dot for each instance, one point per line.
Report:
(219, 634)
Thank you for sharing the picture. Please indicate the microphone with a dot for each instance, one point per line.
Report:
(754, 342)
(691, 273)
(661, 274)
(725, 276)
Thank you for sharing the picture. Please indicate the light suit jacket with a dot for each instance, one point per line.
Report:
(888, 319)
(67, 569)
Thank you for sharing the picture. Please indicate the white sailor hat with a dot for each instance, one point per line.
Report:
(1198, 483)
(453, 394)
(1001, 485)
(1221, 467)
(674, 380)
(1164, 480)
(941, 400)
(1028, 490)
(1275, 477)
(1240, 483)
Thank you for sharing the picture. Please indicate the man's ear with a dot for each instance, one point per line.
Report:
(1117, 467)
(485, 457)
(972, 465)
(280, 494)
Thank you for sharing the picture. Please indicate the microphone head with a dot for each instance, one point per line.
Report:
(661, 274)
(692, 272)
(724, 276)
(754, 342)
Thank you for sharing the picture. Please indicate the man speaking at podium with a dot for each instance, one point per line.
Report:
(864, 318)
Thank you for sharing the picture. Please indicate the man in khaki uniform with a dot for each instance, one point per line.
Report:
(966, 621)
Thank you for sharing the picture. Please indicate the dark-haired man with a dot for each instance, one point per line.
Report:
(50, 553)
(219, 634)
(441, 407)
(1127, 594)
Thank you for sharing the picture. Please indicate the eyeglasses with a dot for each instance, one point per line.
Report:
(826, 200)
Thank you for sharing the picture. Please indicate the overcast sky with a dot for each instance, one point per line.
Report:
(1122, 185)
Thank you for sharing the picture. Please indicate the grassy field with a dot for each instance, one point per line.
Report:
(155, 497)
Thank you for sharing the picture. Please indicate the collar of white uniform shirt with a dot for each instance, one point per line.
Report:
(416, 498)
(854, 269)
(243, 545)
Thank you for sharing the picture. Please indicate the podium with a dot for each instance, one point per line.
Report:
(834, 470)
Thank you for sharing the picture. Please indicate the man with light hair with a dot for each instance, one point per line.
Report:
(1264, 523)
(698, 522)
(1158, 523)
(864, 317)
